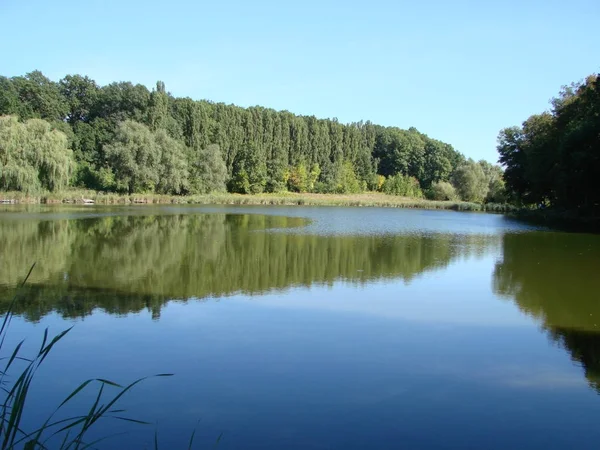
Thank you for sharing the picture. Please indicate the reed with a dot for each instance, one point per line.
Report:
(367, 199)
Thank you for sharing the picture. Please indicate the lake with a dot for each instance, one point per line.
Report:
(312, 328)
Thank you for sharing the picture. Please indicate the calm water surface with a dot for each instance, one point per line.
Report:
(314, 328)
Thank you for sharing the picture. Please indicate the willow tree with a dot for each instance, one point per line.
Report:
(16, 169)
(173, 168)
(33, 156)
(471, 182)
(134, 158)
(50, 154)
(208, 172)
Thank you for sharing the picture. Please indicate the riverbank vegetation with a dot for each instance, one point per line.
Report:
(552, 160)
(125, 139)
(366, 199)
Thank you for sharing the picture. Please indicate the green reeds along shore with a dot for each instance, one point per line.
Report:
(370, 199)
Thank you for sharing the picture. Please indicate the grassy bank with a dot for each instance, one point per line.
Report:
(287, 199)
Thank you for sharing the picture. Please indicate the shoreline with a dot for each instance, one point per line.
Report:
(370, 199)
(557, 220)
(560, 220)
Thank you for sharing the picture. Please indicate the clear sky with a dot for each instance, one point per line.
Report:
(458, 71)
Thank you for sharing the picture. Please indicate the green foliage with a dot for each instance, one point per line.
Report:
(158, 108)
(9, 97)
(377, 183)
(554, 157)
(38, 97)
(249, 171)
(134, 158)
(208, 172)
(348, 182)
(496, 185)
(262, 149)
(437, 164)
(442, 190)
(80, 94)
(173, 169)
(301, 180)
(402, 185)
(470, 182)
(33, 156)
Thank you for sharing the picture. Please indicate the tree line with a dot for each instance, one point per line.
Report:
(553, 158)
(125, 138)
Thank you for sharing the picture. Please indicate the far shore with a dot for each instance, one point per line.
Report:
(563, 220)
(369, 199)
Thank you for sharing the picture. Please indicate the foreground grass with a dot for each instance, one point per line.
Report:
(369, 199)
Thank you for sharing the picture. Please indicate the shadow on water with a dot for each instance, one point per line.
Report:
(125, 264)
(553, 277)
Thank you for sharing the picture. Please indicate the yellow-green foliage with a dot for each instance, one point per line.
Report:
(348, 182)
(299, 179)
(402, 185)
(33, 156)
(442, 190)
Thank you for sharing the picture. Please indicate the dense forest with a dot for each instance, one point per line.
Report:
(553, 159)
(125, 138)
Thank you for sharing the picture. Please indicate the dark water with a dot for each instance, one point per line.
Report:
(314, 328)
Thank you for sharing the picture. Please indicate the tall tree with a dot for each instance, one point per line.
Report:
(208, 172)
(249, 171)
(173, 170)
(134, 158)
(39, 97)
(80, 94)
(33, 155)
(470, 182)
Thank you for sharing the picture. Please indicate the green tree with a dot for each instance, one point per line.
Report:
(134, 158)
(402, 185)
(51, 154)
(121, 101)
(33, 155)
(9, 97)
(470, 182)
(80, 94)
(158, 108)
(39, 97)
(208, 172)
(495, 180)
(173, 169)
(17, 171)
(249, 171)
(442, 191)
(348, 182)
(91, 115)
(553, 158)
(437, 165)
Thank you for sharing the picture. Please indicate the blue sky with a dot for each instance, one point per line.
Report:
(459, 71)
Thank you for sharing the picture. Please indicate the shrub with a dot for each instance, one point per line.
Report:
(442, 191)
(402, 185)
